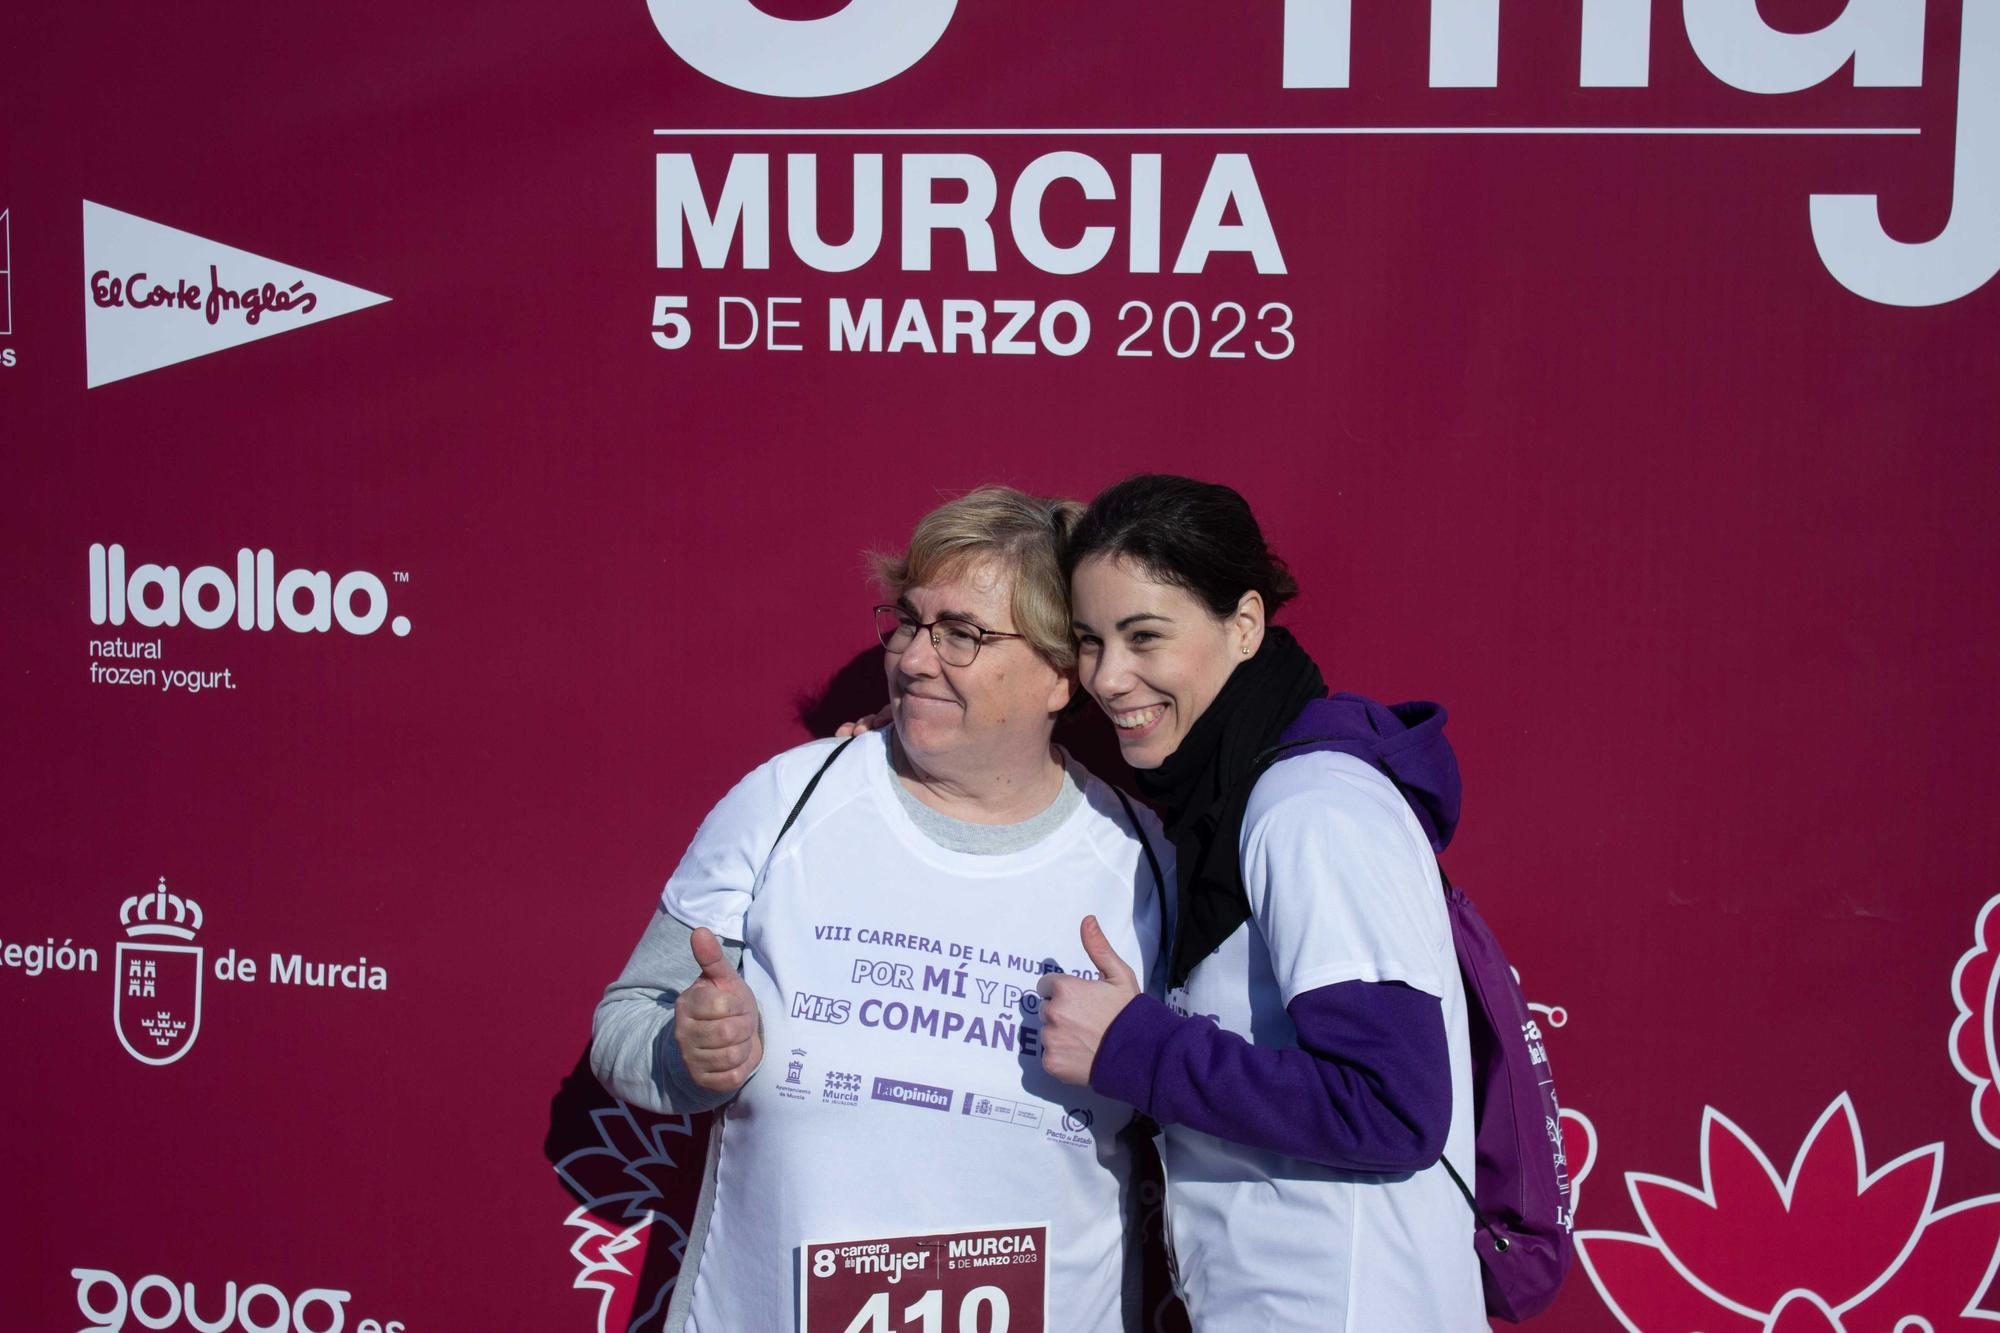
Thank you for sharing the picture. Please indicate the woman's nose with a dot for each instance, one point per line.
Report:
(1109, 676)
(919, 657)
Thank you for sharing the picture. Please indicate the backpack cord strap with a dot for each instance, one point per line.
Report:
(805, 796)
(1145, 844)
(1500, 1242)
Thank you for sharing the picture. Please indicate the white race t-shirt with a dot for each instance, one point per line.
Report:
(1342, 887)
(901, 1091)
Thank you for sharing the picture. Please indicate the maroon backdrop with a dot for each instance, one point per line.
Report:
(1689, 523)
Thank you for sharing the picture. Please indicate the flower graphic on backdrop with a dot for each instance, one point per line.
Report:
(626, 1183)
(1827, 1246)
(1972, 1047)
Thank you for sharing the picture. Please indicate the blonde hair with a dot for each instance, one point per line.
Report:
(1022, 533)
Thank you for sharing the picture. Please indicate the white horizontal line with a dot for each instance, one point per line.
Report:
(1219, 131)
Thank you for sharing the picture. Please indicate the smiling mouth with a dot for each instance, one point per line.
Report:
(1139, 719)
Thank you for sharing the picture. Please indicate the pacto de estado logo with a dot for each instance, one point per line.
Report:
(155, 296)
(1880, 42)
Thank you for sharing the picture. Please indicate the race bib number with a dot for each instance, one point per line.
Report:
(993, 1280)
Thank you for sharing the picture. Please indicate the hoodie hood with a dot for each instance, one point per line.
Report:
(1404, 742)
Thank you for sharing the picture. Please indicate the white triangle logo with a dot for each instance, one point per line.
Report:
(154, 296)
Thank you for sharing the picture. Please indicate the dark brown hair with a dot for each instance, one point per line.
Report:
(1197, 535)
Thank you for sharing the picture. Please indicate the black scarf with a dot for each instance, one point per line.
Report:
(1204, 786)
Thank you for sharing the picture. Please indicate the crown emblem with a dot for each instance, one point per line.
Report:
(160, 913)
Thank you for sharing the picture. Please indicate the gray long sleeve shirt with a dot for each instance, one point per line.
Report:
(632, 1046)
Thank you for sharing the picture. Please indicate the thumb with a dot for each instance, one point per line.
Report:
(1105, 957)
(708, 953)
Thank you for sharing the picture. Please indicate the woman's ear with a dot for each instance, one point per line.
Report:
(1246, 623)
(1063, 691)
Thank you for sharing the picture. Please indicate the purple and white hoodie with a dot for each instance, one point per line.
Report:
(1312, 1069)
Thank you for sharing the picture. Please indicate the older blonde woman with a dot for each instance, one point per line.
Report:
(846, 960)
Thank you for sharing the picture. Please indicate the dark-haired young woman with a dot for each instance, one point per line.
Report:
(1310, 1062)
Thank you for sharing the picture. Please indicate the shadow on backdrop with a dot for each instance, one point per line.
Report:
(634, 1177)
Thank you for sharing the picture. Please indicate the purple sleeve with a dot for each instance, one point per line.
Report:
(1367, 1088)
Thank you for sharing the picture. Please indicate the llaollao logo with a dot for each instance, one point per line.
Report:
(254, 595)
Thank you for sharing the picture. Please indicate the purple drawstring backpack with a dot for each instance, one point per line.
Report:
(1520, 1179)
(1520, 1191)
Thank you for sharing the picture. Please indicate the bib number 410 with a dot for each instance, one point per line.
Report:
(984, 1280)
(981, 1310)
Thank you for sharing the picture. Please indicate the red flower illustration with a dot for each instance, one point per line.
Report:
(625, 1184)
(1829, 1246)
(1973, 1051)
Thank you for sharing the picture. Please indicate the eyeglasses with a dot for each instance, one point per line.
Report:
(957, 641)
